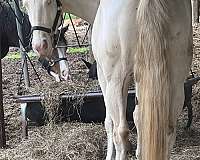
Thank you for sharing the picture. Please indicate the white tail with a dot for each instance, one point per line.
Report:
(151, 73)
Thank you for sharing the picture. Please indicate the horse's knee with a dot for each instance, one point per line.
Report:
(121, 137)
(123, 133)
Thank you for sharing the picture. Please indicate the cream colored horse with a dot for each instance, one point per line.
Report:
(150, 38)
(42, 41)
(86, 9)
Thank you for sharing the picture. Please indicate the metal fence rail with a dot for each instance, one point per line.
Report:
(2, 125)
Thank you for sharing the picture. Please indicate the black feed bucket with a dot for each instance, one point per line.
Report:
(91, 110)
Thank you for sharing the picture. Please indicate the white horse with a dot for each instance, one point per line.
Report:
(151, 39)
(47, 25)
(60, 68)
(86, 10)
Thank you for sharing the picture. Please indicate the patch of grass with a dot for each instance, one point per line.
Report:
(66, 16)
(78, 50)
(17, 55)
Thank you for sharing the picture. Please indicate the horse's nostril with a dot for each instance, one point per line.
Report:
(36, 47)
(41, 46)
(44, 44)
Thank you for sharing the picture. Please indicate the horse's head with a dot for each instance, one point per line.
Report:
(58, 66)
(45, 17)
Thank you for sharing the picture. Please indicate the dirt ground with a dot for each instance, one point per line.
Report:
(79, 141)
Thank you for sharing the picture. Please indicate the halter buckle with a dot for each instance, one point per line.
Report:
(51, 63)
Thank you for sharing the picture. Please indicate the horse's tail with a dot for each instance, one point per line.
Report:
(152, 75)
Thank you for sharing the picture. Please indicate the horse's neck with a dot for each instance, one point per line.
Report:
(85, 9)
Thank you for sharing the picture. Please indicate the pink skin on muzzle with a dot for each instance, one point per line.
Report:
(40, 47)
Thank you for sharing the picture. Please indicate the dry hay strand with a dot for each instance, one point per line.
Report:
(51, 92)
(69, 141)
(187, 153)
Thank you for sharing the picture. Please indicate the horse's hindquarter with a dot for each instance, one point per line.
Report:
(179, 54)
(114, 34)
(180, 39)
(113, 39)
(163, 60)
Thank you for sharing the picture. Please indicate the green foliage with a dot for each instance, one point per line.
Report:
(66, 16)
(17, 55)
(82, 50)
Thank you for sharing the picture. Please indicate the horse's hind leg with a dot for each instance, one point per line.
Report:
(116, 101)
(190, 114)
(177, 91)
(177, 95)
(110, 144)
(188, 104)
(136, 121)
(108, 120)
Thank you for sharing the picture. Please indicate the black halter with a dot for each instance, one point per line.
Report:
(55, 24)
(46, 64)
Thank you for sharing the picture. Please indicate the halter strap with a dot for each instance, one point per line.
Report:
(49, 64)
(40, 28)
(53, 62)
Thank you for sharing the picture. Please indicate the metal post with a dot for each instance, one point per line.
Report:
(24, 120)
(2, 125)
(91, 56)
(196, 11)
(23, 53)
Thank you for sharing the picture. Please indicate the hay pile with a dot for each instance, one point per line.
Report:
(69, 141)
(51, 92)
(78, 141)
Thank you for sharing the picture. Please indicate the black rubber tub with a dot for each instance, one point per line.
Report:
(92, 108)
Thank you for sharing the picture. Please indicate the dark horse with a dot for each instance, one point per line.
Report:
(8, 30)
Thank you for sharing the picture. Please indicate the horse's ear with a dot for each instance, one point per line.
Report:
(64, 29)
(88, 64)
(24, 3)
